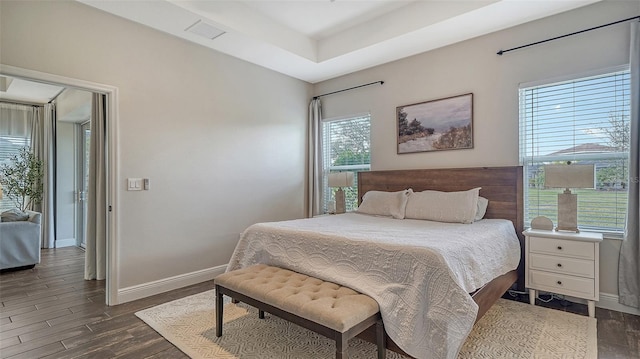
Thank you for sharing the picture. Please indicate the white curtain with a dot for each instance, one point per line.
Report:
(36, 145)
(16, 120)
(629, 267)
(96, 235)
(48, 155)
(314, 175)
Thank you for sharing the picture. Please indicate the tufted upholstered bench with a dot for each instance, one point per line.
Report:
(337, 312)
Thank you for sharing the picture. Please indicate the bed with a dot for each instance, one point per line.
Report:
(382, 258)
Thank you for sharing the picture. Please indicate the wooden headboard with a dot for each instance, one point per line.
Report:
(502, 186)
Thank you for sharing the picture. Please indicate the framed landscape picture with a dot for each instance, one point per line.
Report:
(444, 124)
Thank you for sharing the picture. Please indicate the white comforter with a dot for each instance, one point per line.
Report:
(419, 272)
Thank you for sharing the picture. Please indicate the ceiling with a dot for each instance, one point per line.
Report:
(73, 105)
(18, 90)
(316, 40)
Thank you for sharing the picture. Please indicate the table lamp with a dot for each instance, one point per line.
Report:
(568, 176)
(339, 180)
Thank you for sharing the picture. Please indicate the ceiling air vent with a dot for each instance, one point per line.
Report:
(203, 29)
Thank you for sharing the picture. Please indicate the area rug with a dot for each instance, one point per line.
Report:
(508, 330)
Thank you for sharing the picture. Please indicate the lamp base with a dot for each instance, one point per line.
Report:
(340, 202)
(567, 212)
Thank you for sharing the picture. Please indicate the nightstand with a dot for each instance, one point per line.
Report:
(564, 263)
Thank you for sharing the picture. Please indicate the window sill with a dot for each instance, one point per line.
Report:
(605, 235)
(608, 235)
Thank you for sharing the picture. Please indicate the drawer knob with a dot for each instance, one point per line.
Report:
(559, 265)
(559, 282)
(559, 248)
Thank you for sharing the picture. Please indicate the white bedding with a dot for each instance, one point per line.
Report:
(419, 272)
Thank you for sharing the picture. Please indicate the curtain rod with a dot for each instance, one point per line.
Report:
(350, 88)
(571, 34)
(22, 103)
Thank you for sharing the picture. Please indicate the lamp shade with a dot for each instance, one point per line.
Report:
(569, 176)
(341, 179)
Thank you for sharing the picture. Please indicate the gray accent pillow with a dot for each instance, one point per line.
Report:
(482, 208)
(14, 215)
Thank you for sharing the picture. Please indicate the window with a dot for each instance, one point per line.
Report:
(14, 135)
(346, 147)
(585, 121)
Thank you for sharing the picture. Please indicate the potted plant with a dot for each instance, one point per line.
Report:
(21, 179)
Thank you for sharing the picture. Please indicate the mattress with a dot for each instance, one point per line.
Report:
(419, 272)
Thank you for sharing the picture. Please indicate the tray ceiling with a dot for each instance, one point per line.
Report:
(316, 40)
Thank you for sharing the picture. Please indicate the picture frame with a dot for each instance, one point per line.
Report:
(436, 125)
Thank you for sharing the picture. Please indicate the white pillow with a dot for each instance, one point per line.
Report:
(381, 203)
(482, 208)
(452, 207)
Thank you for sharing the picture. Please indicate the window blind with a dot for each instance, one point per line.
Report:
(345, 148)
(585, 121)
(9, 146)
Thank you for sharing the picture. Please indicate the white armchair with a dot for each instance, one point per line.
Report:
(20, 242)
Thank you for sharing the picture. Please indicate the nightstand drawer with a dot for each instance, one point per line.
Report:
(562, 265)
(569, 248)
(562, 284)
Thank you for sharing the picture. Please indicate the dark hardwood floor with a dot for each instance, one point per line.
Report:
(52, 312)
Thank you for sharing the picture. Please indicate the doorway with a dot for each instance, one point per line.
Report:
(110, 96)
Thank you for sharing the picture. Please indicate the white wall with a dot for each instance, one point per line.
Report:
(222, 140)
(473, 66)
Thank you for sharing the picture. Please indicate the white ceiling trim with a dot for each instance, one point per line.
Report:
(379, 32)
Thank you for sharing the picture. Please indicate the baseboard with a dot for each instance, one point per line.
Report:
(610, 301)
(607, 301)
(67, 242)
(164, 285)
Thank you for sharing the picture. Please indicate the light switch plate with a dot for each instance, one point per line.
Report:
(134, 184)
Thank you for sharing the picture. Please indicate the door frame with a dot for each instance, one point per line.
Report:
(112, 160)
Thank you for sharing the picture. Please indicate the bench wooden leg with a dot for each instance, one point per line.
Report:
(261, 314)
(218, 312)
(381, 340)
(342, 343)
